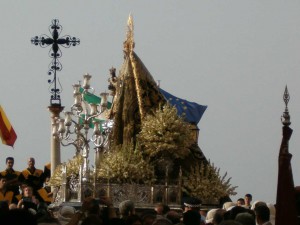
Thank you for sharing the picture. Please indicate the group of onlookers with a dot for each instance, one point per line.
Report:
(24, 199)
(242, 213)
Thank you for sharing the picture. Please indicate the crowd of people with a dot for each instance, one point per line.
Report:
(25, 199)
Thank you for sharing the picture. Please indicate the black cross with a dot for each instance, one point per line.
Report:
(44, 41)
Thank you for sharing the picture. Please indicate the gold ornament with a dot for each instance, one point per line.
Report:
(204, 181)
(165, 134)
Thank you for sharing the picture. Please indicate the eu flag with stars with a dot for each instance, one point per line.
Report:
(190, 111)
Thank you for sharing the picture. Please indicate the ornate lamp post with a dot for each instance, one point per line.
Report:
(55, 53)
(75, 128)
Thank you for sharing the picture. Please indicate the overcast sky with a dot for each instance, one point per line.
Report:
(234, 56)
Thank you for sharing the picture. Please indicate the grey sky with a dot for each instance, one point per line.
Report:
(234, 56)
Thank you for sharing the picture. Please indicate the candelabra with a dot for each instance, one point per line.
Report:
(75, 128)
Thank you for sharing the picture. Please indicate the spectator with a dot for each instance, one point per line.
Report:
(219, 216)
(191, 217)
(133, 220)
(240, 202)
(126, 208)
(18, 216)
(262, 213)
(245, 219)
(230, 222)
(66, 215)
(272, 212)
(161, 209)
(148, 217)
(92, 220)
(248, 199)
(210, 216)
(228, 205)
(193, 204)
(44, 217)
(173, 216)
(162, 221)
(28, 200)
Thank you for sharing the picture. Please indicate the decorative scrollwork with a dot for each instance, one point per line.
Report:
(55, 41)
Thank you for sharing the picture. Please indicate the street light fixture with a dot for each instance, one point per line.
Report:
(75, 128)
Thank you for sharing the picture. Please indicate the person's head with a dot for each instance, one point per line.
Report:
(92, 220)
(245, 218)
(65, 214)
(191, 217)
(161, 209)
(133, 220)
(93, 207)
(228, 205)
(27, 191)
(126, 208)
(31, 162)
(236, 210)
(2, 183)
(248, 199)
(230, 222)
(192, 204)
(262, 213)
(219, 216)
(173, 216)
(9, 162)
(162, 221)
(256, 203)
(148, 216)
(210, 215)
(240, 202)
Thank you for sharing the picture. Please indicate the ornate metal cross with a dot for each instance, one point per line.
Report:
(55, 41)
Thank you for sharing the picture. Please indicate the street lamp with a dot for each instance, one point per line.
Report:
(75, 128)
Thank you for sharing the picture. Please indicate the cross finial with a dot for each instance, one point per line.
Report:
(285, 118)
(55, 41)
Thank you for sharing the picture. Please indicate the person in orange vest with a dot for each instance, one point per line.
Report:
(47, 170)
(11, 175)
(45, 193)
(32, 176)
(6, 195)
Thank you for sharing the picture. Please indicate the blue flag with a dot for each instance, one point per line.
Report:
(190, 111)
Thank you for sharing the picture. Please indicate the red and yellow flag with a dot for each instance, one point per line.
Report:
(7, 132)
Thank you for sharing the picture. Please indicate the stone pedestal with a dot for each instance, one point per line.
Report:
(55, 110)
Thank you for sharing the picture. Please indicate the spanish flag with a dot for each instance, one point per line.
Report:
(7, 132)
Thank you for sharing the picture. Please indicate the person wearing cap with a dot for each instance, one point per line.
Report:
(193, 204)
